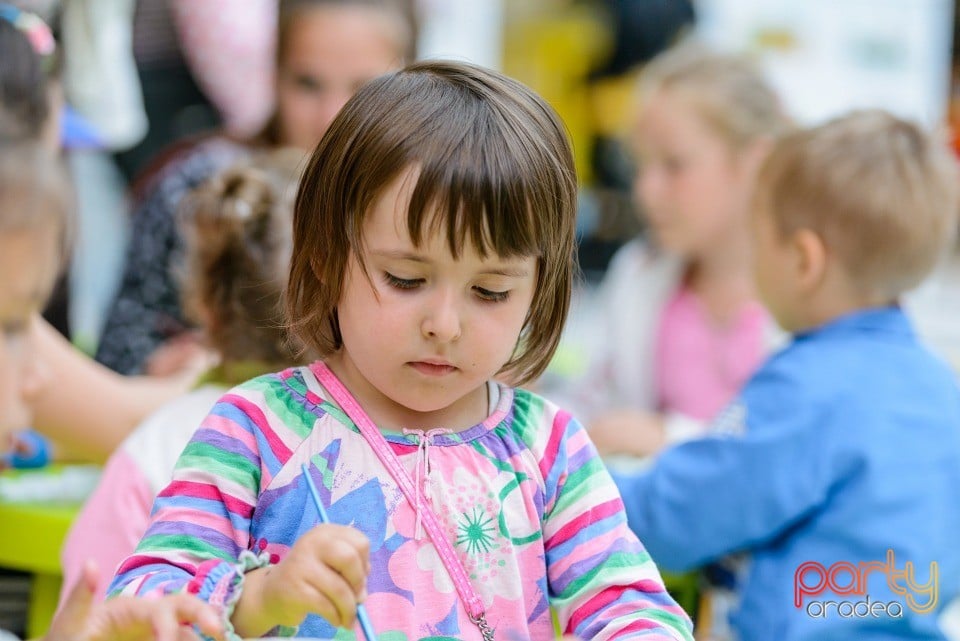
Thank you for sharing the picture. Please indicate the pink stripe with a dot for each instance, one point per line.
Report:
(140, 560)
(590, 517)
(577, 441)
(557, 432)
(207, 520)
(230, 428)
(277, 446)
(209, 492)
(605, 541)
(630, 609)
(595, 604)
(641, 624)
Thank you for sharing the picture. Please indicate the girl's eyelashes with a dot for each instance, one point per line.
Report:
(483, 293)
(491, 296)
(401, 283)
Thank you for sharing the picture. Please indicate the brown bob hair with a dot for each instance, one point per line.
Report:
(495, 166)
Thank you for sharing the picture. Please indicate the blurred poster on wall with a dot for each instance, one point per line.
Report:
(829, 56)
(464, 30)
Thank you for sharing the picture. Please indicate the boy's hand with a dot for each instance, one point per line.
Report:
(324, 573)
(130, 618)
(630, 432)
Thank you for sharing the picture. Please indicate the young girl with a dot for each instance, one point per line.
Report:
(34, 204)
(73, 410)
(433, 252)
(679, 326)
(326, 49)
(237, 230)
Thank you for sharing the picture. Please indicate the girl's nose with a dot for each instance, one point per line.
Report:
(442, 321)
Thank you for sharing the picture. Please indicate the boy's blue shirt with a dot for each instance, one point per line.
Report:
(844, 445)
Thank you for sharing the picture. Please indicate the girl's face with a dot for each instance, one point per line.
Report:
(423, 335)
(329, 52)
(28, 260)
(694, 189)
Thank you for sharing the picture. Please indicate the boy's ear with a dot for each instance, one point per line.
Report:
(810, 255)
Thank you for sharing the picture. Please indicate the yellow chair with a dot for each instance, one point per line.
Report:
(31, 535)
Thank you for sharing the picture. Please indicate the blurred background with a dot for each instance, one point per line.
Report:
(142, 77)
(823, 56)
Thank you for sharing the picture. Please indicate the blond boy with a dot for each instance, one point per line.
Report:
(837, 469)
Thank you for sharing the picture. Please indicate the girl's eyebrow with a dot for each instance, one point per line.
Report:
(501, 270)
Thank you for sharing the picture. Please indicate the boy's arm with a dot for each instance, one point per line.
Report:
(601, 580)
(763, 468)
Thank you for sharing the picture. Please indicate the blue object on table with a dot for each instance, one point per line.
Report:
(362, 615)
(31, 451)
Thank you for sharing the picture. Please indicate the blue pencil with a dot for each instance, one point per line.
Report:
(362, 615)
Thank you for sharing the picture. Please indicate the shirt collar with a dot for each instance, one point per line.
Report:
(888, 320)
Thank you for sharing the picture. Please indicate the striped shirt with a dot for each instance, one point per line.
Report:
(532, 512)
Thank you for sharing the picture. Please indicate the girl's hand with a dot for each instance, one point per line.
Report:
(130, 618)
(324, 573)
(185, 356)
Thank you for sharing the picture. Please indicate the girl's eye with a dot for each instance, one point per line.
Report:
(674, 164)
(308, 83)
(14, 329)
(491, 296)
(402, 283)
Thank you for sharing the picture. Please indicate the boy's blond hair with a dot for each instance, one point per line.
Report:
(880, 192)
(727, 91)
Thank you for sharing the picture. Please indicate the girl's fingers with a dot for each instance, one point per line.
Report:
(75, 614)
(163, 621)
(334, 599)
(191, 610)
(349, 561)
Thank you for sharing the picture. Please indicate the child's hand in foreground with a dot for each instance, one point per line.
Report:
(324, 573)
(130, 618)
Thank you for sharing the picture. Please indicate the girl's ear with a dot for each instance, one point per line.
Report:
(810, 259)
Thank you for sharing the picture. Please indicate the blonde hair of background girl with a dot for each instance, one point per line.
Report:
(705, 123)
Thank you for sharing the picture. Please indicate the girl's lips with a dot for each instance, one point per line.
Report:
(432, 369)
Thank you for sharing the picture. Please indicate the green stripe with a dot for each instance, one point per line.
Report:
(615, 560)
(579, 484)
(528, 410)
(210, 458)
(182, 543)
(285, 406)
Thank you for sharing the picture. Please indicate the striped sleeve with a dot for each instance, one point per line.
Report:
(602, 582)
(199, 533)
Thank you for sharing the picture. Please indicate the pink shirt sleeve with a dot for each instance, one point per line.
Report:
(110, 525)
